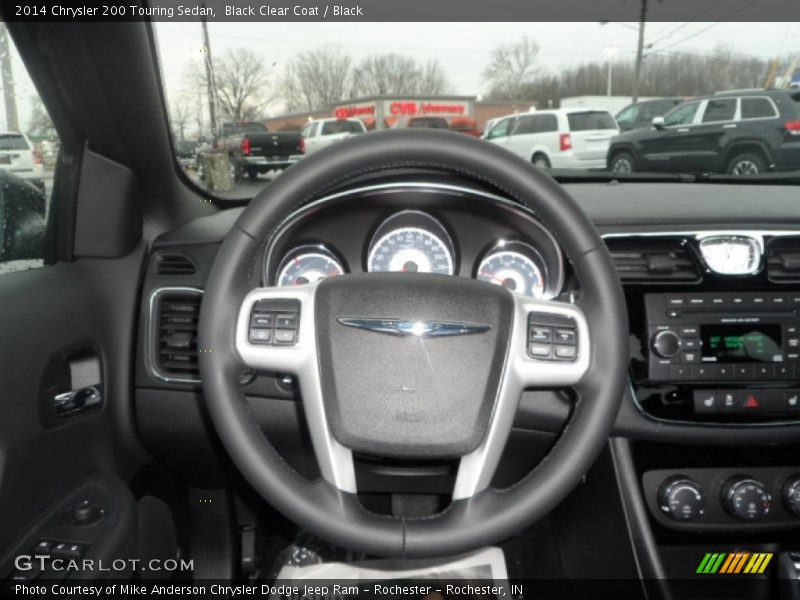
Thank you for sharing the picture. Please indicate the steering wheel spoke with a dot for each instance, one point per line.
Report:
(275, 331)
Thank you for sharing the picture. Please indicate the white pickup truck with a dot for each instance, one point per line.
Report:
(323, 132)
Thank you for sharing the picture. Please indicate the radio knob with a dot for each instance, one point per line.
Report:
(745, 499)
(681, 499)
(791, 494)
(666, 344)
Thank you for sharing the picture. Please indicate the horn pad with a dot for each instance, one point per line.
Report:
(411, 363)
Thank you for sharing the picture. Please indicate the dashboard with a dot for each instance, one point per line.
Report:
(434, 228)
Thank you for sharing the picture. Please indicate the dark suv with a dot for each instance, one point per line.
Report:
(741, 133)
(641, 114)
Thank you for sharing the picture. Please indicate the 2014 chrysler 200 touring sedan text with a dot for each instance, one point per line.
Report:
(412, 345)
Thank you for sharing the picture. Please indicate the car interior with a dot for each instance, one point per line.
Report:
(242, 386)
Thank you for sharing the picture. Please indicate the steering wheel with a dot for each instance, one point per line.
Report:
(410, 365)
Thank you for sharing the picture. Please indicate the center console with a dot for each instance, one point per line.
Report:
(730, 357)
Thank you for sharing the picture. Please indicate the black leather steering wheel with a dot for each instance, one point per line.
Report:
(461, 389)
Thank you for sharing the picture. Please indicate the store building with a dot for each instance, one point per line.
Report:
(383, 112)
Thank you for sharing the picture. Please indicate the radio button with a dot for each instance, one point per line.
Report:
(794, 299)
(763, 371)
(753, 401)
(702, 372)
(723, 372)
(666, 343)
(737, 300)
(689, 331)
(679, 372)
(779, 301)
(676, 302)
(743, 372)
(793, 343)
(673, 314)
(759, 301)
(791, 330)
(690, 344)
(690, 358)
(696, 301)
(718, 300)
(705, 401)
(784, 371)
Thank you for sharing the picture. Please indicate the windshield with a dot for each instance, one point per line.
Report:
(718, 99)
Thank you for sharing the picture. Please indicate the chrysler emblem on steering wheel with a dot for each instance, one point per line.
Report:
(415, 328)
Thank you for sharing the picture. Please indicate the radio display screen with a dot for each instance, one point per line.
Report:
(741, 343)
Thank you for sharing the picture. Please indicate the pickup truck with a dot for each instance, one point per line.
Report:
(323, 132)
(253, 149)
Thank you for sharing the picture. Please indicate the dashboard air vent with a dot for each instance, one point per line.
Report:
(174, 341)
(653, 260)
(173, 264)
(783, 260)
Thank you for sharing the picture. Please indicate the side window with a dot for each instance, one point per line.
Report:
(305, 131)
(757, 108)
(500, 129)
(719, 110)
(628, 115)
(545, 123)
(682, 115)
(29, 148)
(526, 124)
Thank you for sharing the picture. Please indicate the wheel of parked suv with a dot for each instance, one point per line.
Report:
(746, 164)
(541, 161)
(623, 162)
(349, 334)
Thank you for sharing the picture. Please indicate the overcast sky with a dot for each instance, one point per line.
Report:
(463, 48)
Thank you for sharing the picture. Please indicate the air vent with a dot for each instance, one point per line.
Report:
(173, 351)
(783, 260)
(178, 265)
(653, 260)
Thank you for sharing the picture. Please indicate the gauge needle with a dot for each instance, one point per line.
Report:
(490, 276)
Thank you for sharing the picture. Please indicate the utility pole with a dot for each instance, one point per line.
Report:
(639, 52)
(212, 88)
(9, 96)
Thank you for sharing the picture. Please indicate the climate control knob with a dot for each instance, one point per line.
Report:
(666, 344)
(790, 494)
(681, 499)
(745, 499)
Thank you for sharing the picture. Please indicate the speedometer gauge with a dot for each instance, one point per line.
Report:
(307, 264)
(516, 266)
(411, 242)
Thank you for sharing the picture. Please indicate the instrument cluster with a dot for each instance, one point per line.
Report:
(415, 241)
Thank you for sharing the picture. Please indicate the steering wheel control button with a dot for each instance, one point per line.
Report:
(745, 499)
(681, 499)
(790, 494)
(275, 322)
(552, 337)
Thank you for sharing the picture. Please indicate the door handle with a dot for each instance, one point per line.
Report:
(729, 126)
(683, 130)
(77, 400)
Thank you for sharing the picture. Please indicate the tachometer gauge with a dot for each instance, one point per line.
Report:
(411, 242)
(516, 266)
(307, 264)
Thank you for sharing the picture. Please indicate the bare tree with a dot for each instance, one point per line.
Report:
(243, 84)
(181, 116)
(40, 124)
(392, 73)
(512, 67)
(316, 78)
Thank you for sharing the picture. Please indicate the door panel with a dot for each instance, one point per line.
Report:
(49, 312)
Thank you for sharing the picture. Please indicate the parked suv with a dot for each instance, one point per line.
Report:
(323, 132)
(741, 133)
(641, 114)
(567, 138)
(17, 156)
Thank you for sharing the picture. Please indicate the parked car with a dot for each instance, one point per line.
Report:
(186, 153)
(253, 149)
(323, 132)
(465, 125)
(566, 138)
(641, 114)
(422, 123)
(18, 156)
(741, 133)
